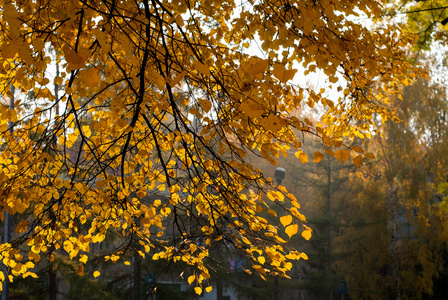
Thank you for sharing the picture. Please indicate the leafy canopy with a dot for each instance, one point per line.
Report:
(159, 103)
(427, 19)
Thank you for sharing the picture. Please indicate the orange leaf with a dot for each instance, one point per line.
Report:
(203, 69)
(357, 149)
(328, 141)
(317, 157)
(358, 161)
(90, 77)
(369, 155)
(342, 155)
(205, 104)
(80, 270)
(280, 72)
(258, 67)
(178, 78)
(330, 152)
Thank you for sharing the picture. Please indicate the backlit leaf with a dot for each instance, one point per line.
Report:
(291, 230)
(317, 157)
(306, 234)
(198, 290)
(286, 220)
(302, 156)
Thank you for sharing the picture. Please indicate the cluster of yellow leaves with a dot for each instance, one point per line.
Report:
(160, 105)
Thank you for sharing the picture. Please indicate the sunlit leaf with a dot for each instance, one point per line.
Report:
(286, 220)
(306, 234)
(291, 230)
(198, 290)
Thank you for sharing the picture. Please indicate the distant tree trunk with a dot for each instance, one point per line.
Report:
(329, 248)
(137, 271)
(52, 283)
(219, 289)
(393, 239)
(275, 296)
(6, 223)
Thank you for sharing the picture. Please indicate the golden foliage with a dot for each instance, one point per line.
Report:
(160, 103)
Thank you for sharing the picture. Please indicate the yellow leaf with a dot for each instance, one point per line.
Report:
(83, 259)
(292, 230)
(165, 211)
(357, 160)
(96, 274)
(72, 137)
(279, 195)
(30, 274)
(191, 279)
(208, 289)
(302, 156)
(261, 259)
(259, 269)
(272, 212)
(198, 290)
(306, 234)
(286, 220)
(86, 131)
(68, 246)
(317, 157)
(279, 239)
